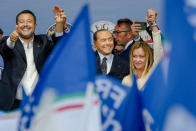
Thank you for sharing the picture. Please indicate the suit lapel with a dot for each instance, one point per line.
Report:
(129, 48)
(36, 49)
(113, 68)
(98, 63)
(19, 47)
(115, 65)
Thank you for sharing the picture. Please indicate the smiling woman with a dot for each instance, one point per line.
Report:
(143, 60)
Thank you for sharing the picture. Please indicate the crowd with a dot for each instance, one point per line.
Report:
(119, 54)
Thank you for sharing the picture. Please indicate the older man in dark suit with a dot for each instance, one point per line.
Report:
(106, 62)
(24, 54)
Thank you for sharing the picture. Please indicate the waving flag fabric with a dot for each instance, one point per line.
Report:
(120, 105)
(180, 113)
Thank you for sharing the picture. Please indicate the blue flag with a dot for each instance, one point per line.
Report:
(68, 70)
(72, 60)
(152, 97)
(180, 107)
(120, 105)
(171, 105)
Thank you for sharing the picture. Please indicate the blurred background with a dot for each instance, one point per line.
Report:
(107, 10)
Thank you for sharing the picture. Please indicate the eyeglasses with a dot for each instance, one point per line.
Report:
(118, 32)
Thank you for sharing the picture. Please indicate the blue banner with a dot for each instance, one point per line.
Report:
(153, 96)
(181, 29)
(120, 105)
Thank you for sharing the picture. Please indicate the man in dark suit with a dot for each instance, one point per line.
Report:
(126, 33)
(124, 37)
(6, 96)
(24, 54)
(106, 62)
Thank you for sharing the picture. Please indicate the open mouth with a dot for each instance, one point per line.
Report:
(107, 48)
(26, 29)
(138, 64)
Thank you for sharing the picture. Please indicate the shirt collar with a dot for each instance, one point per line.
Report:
(25, 44)
(109, 57)
(127, 45)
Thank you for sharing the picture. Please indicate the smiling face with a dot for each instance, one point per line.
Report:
(104, 42)
(139, 59)
(26, 26)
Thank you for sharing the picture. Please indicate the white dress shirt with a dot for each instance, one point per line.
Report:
(108, 61)
(31, 75)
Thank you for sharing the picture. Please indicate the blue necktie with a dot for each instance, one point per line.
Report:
(104, 66)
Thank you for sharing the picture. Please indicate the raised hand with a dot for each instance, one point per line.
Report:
(59, 14)
(151, 16)
(60, 18)
(14, 35)
(56, 9)
(135, 29)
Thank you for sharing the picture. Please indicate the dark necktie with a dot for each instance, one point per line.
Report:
(104, 66)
